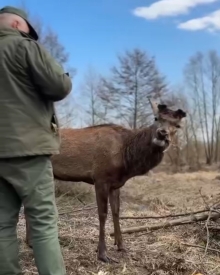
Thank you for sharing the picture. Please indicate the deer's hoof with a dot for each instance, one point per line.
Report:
(106, 259)
(122, 249)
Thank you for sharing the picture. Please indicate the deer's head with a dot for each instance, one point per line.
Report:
(166, 123)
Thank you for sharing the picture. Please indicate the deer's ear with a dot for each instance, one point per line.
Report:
(161, 107)
(180, 113)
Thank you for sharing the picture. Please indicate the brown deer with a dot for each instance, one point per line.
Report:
(108, 155)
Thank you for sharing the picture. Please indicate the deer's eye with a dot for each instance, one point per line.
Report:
(177, 126)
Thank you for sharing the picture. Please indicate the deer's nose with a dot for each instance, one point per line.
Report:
(162, 132)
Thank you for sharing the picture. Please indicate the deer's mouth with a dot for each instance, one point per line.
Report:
(161, 143)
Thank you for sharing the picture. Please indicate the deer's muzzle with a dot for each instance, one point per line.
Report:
(162, 138)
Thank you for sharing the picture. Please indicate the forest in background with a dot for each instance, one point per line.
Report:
(121, 97)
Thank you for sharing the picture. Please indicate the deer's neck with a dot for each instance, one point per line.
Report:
(140, 153)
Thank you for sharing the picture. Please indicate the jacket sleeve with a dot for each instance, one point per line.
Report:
(44, 71)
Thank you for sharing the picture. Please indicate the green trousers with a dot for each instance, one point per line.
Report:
(29, 181)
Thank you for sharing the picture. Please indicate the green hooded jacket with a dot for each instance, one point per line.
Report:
(30, 82)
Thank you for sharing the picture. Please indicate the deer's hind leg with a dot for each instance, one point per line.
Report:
(114, 198)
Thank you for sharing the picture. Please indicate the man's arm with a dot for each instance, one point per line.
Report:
(45, 72)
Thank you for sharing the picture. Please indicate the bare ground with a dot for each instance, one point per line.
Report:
(154, 253)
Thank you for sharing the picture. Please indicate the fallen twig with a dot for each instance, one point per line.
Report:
(77, 210)
(201, 247)
(203, 198)
(207, 231)
(166, 224)
(166, 216)
(207, 221)
(214, 228)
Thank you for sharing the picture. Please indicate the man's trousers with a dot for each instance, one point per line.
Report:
(29, 181)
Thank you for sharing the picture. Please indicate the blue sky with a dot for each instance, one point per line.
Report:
(94, 31)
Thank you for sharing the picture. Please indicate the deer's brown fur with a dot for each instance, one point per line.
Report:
(105, 152)
(107, 156)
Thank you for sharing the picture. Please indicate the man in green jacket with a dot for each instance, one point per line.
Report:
(30, 82)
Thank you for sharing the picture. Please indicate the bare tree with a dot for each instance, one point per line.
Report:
(65, 109)
(202, 74)
(90, 91)
(134, 79)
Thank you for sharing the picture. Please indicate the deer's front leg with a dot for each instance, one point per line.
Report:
(102, 193)
(114, 198)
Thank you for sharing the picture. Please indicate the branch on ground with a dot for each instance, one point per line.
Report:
(166, 224)
(201, 247)
(163, 217)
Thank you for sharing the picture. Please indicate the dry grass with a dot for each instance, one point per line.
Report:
(154, 253)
